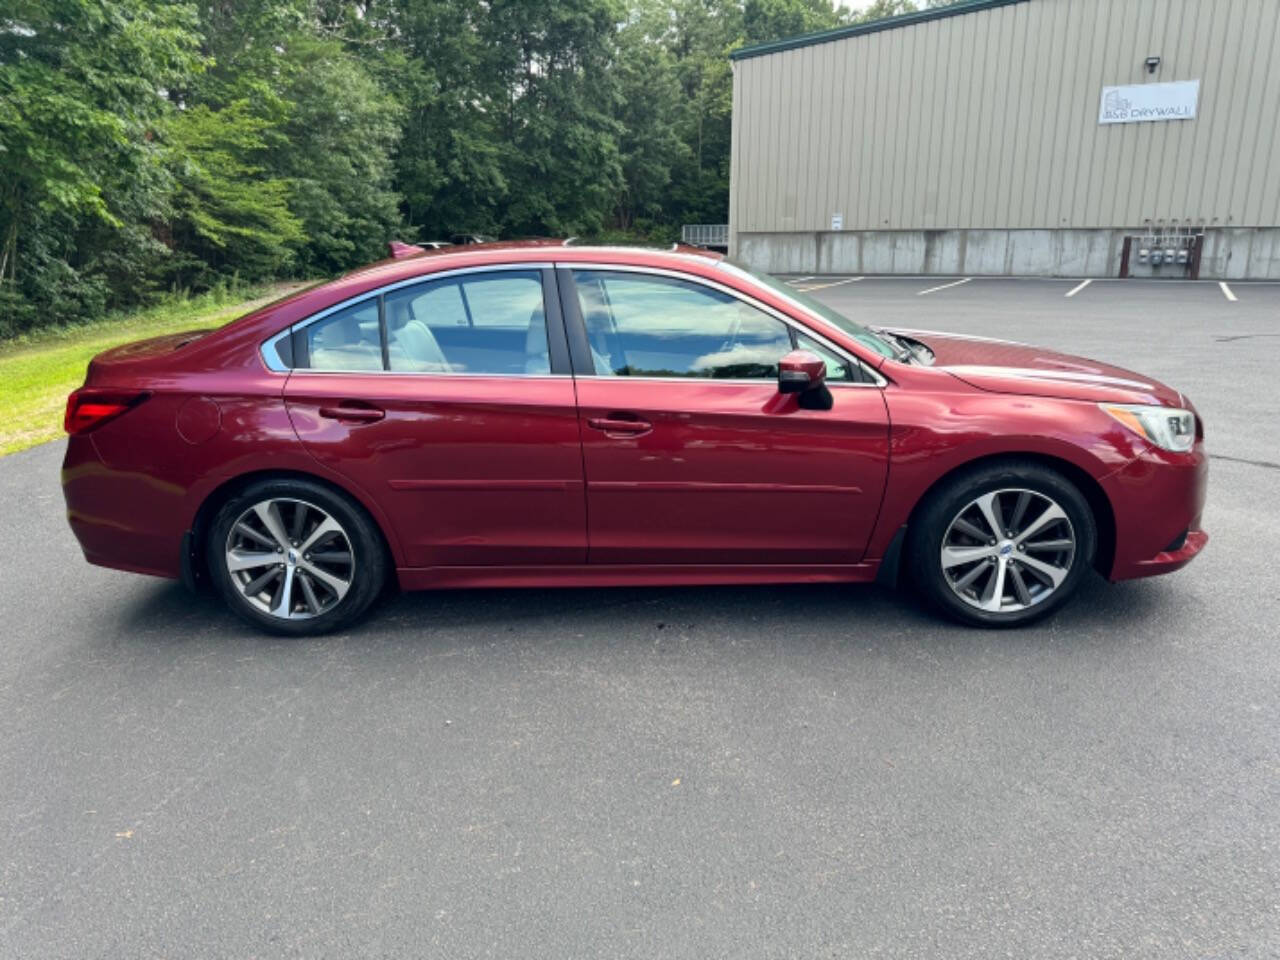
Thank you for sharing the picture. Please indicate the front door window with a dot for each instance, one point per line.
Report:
(646, 325)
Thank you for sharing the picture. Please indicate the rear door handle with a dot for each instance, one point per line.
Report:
(358, 414)
(618, 425)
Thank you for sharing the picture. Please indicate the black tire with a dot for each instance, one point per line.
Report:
(368, 556)
(944, 504)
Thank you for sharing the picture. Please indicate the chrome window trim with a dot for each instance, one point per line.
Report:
(877, 381)
(307, 371)
(271, 356)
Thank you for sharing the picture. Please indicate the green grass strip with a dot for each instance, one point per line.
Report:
(39, 370)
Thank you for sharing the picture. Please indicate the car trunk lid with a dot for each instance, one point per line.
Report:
(140, 353)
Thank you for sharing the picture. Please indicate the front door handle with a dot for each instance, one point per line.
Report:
(350, 412)
(618, 425)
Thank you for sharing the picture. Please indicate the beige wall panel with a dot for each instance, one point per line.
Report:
(989, 120)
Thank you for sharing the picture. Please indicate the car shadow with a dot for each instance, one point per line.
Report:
(786, 614)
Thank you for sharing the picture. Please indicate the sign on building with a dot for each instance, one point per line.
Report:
(1141, 102)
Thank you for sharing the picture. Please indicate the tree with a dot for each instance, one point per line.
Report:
(226, 216)
(335, 152)
(81, 95)
(152, 143)
(649, 112)
(881, 9)
(323, 131)
(450, 165)
(765, 20)
(557, 99)
(510, 112)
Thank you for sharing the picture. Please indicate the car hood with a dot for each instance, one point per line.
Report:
(1003, 366)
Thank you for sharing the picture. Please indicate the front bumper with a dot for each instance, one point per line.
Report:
(1167, 561)
(1158, 499)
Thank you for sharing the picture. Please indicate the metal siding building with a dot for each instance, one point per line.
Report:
(967, 140)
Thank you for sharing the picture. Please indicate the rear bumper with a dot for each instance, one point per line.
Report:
(1158, 500)
(113, 514)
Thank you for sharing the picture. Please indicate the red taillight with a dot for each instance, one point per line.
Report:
(89, 409)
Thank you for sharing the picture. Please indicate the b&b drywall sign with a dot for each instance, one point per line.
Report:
(1141, 102)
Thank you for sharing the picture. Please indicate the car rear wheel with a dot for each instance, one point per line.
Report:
(1002, 545)
(295, 558)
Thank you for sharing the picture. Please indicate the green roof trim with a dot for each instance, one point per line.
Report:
(873, 26)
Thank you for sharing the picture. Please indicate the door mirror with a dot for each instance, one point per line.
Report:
(801, 371)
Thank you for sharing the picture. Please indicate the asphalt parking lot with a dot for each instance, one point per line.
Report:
(754, 772)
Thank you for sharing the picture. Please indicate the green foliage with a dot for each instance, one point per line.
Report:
(769, 19)
(650, 147)
(38, 370)
(81, 93)
(153, 145)
(229, 214)
(881, 9)
(336, 152)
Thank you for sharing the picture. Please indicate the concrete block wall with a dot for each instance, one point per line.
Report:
(1237, 253)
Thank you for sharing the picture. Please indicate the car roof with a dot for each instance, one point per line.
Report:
(446, 258)
(432, 261)
(512, 251)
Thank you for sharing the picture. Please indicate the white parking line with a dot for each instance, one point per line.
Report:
(794, 280)
(955, 283)
(1226, 291)
(1077, 289)
(833, 283)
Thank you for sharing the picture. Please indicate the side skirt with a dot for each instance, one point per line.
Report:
(633, 575)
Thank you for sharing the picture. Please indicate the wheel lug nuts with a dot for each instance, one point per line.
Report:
(991, 543)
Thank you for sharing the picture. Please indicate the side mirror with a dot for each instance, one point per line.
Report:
(805, 374)
(801, 371)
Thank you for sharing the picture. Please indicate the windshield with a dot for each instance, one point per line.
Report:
(870, 340)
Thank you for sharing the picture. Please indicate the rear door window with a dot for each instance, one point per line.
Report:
(346, 340)
(489, 323)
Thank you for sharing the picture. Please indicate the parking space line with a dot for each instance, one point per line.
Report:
(833, 283)
(1226, 291)
(1076, 289)
(944, 286)
(794, 280)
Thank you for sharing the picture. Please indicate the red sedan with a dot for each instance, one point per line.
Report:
(540, 414)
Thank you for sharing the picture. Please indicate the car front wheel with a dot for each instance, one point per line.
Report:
(1002, 545)
(294, 557)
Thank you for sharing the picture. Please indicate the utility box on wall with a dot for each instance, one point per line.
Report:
(1170, 256)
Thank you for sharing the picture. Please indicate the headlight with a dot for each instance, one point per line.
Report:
(1166, 427)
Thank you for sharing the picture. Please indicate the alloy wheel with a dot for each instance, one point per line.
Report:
(1008, 550)
(289, 558)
